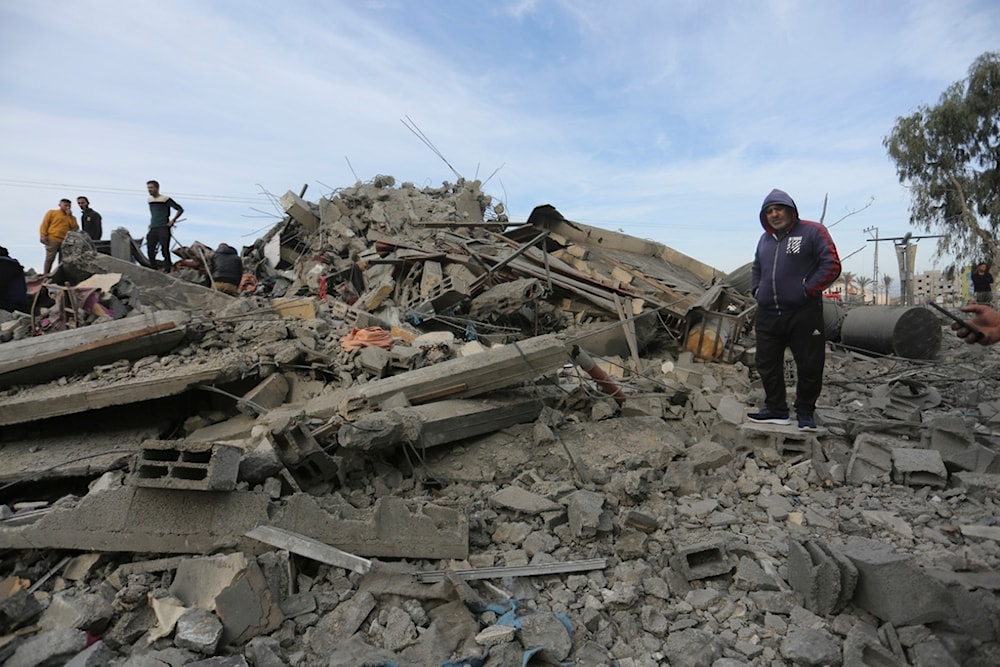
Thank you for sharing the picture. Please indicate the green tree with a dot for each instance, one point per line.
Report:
(847, 278)
(887, 281)
(863, 283)
(949, 156)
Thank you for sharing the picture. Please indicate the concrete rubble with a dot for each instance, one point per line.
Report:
(424, 434)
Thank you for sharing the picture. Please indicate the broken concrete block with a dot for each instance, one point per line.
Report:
(18, 610)
(547, 634)
(703, 560)
(516, 498)
(708, 455)
(198, 630)
(221, 661)
(918, 467)
(786, 440)
(730, 410)
(848, 576)
(84, 611)
(300, 210)
(495, 635)
(584, 510)
(302, 455)
(954, 440)
(862, 648)
(178, 464)
(341, 623)
(979, 485)
(235, 588)
(893, 588)
(49, 647)
(98, 654)
(810, 646)
(79, 567)
(871, 459)
(750, 576)
(267, 395)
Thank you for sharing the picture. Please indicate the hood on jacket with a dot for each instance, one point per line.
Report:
(225, 249)
(777, 196)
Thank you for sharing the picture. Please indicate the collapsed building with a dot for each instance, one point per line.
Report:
(427, 435)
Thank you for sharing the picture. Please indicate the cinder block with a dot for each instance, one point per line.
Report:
(979, 485)
(302, 455)
(703, 560)
(918, 467)
(893, 588)
(954, 440)
(862, 648)
(788, 441)
(816, 575)
(300, 210)
(178, 464)
(871, 460)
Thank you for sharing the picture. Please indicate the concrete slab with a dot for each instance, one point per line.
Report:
(143, 520)
(42, 358)
(392, 528)
(53, 400)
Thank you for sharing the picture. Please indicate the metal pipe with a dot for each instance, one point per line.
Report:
(604, 381)
(906, 331)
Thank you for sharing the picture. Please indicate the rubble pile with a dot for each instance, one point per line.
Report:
(433, 436)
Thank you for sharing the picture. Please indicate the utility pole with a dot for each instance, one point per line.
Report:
(869, 230)
(906, 255)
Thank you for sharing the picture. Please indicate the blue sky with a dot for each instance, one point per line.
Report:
(667, 120)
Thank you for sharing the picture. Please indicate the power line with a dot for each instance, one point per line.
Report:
(225, 199)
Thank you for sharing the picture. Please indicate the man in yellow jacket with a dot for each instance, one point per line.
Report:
(56, 224)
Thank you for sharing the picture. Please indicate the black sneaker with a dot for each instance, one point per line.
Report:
(766, 416)
(806, 422)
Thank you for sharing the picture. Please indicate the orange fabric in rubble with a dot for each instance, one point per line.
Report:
(369, 336)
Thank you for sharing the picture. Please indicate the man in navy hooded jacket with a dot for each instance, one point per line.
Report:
(795, 262)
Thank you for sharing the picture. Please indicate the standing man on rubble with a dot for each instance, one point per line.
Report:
(56, 224)
(90, 219)
(982, 284)
(794, 263)
(160, 223)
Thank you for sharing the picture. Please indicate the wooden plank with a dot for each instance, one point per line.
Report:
(309, 548)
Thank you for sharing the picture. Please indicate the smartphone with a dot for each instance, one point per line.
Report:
(955, 318)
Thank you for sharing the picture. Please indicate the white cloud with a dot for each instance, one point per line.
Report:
(670, 121)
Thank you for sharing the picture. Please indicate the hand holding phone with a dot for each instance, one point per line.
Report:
(957, 320)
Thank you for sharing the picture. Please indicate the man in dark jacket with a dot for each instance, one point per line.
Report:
(13, 289)
(982, 284)
(226, 268)
(795, 262)
(90, 219)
